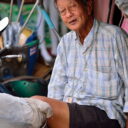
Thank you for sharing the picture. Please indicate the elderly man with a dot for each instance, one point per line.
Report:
(89, 83)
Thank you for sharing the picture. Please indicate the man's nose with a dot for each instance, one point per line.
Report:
(69, 13)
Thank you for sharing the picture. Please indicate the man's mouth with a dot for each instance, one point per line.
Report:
(72, 22)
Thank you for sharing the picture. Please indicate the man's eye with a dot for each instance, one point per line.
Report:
(73, 6)
(62, 11)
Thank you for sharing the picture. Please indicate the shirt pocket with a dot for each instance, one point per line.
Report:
(102, 85)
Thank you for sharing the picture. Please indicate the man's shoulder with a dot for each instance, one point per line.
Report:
(67, 39)
(109, 29)
(70, 35)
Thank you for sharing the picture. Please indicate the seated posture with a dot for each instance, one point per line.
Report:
(89, 82)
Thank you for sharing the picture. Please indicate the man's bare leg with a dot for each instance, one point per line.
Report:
(60, 118)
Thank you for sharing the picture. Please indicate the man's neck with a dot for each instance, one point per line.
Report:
(85, 30)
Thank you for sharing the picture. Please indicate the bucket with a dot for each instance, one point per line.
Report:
(23, 88)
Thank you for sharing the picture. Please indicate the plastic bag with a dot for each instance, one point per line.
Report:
(18, 112)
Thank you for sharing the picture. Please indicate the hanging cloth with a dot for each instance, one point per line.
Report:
(123, 6)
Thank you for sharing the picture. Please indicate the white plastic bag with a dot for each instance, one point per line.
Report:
(18, 112)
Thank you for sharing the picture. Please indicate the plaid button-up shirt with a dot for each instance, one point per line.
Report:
(95, 73)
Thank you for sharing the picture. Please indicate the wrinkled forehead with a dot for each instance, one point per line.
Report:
(61, 2)
(84, 1)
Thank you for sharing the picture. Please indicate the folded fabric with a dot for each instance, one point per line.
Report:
(123, 6)
(18, 112)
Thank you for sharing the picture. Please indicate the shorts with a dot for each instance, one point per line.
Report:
(84, 116)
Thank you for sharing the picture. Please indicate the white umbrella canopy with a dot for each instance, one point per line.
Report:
(3, 23)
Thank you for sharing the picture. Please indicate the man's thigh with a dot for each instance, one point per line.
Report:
(60, 118)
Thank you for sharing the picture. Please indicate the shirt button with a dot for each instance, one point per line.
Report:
(69, 99)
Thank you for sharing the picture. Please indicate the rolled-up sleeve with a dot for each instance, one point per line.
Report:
(58, 78)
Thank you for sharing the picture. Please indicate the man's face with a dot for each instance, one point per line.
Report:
(72, 14)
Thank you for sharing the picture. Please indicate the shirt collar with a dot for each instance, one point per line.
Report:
(94, 30)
